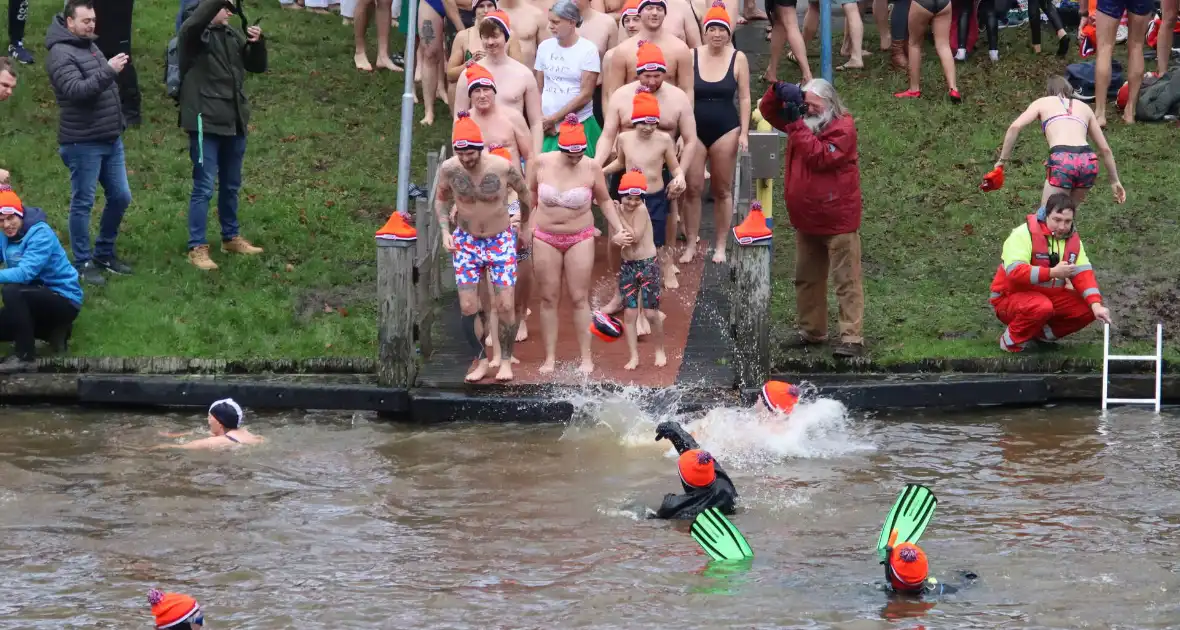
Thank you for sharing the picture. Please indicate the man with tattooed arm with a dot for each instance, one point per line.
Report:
(476, 185)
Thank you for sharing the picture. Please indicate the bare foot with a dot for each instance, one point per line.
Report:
(522, 333)
(362, 62)
(661, 359)
(505, 373)
(480, 371)
(642, 326)
(387, 63)
(632, 364)
(515, 361)
(690, 252)
(1101, 120)
(587, 367)
(719, 255)
(670, 281)
(427, 120)
(547, 367)
(1129, 118)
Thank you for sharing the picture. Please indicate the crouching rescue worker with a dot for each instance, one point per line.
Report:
(705, 483)
(1045, 287)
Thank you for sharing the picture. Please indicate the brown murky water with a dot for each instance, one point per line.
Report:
(342, 521)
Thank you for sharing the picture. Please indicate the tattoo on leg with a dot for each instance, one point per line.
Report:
(508, 336)
(427, 32)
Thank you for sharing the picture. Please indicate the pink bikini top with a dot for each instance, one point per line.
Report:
(574, 198)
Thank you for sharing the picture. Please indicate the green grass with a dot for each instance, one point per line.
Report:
(932, 240)
(319, 180)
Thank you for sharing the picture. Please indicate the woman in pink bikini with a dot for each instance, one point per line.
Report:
(1072, 167)
(563, 185)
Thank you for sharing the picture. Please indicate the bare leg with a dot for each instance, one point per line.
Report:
(1049, 191)
(384, 21)
(360, 24)
(548, 265)
(881, 17)
(690, 203)
(854, 34)
(613, 258)
(1137, 31)
(524, 291)
(469, 306)
(786, 31)
(491, 335)
(1107, 28)
(579, 270)
(1163, 47)
(630, 317)
(430, 31)
(670, 270)
(1078, 195)
(919, 21)
(723, 153)
(507, 314)
(657, 337)
(942, 45)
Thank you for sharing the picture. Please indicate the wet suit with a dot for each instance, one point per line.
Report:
(932, 588)
(720, 494)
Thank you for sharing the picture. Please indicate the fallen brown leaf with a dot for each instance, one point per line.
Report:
(968, 229)
(329, 203)
(290, 138)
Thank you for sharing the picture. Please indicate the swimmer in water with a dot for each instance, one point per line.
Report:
(225, 423)
(907, 573)
(775, 403)
(705, 483)
(175, 611)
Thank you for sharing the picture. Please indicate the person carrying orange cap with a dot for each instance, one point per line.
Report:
(175, 611)
(705, 483)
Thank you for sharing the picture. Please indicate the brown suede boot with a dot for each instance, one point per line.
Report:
(899, 55)
(239, 245)
(199, 257)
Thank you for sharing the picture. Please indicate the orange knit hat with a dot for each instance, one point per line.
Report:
(606, 327)
(502, 18)
(170, 609)
(908, 567)
(10, 202)
(633, 182)
(649, 57)
(571, 136)
(631, 8)
(753, 229)
(780, 396)
(718, 15)
(645, 108)
(696, 468)
(466, 134)
(478, 76)
(499, 150)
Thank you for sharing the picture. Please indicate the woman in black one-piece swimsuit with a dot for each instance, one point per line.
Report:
(722, 126)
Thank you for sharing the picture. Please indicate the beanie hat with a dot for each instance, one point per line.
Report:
(501, 18)
(661, 3)
(696, 468)
(171, 609)
(10, 202)
(908, 567)
(752, 230)
(495, 5)
(466, 134)
(645, 108)
(633, 182)
(631, 8)
(228, 412)
(606, 327)
(780, 396)
(571, 136)
(718, 15)
(499, 150)
(649, 57)
(478, 76)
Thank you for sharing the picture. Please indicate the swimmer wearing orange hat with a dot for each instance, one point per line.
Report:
(705, 483)
(778, 397)
(907, 572)
(175, 611)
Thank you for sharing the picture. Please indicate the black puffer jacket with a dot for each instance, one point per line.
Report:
(84, 84)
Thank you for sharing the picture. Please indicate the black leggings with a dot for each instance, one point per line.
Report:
(989, 15)
(1034, 18)
(18, 14)
(33, 312)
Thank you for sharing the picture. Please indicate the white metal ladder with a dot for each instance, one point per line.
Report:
(1158, 358)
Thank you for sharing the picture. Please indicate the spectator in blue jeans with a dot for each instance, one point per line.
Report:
(89, 135)
(214, 59)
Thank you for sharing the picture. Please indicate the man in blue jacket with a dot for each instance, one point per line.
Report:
(39, 286)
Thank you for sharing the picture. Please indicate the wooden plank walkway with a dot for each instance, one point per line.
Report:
(696, 336)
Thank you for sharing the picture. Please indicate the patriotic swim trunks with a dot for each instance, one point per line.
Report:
(473, 254)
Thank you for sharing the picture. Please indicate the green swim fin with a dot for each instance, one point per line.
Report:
(909, 517)
(718, 537)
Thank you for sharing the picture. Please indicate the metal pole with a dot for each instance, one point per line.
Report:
(825, 38)
(407, 133)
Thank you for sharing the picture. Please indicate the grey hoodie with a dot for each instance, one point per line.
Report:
(84, 84)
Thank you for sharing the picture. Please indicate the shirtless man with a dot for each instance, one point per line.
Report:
(628, 27)
(516, 86)
(483, 239)
(602, 30)
(530, 25)
(676, 118)
(652, 15)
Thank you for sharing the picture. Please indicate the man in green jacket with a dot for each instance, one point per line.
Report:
(214, 59)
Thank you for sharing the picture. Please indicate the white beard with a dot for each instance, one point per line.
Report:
(817, 123)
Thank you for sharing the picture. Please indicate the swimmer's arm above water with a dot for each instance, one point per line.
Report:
(676, 434)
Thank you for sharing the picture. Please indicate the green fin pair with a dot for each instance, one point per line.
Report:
(908, 518)
(718, 537)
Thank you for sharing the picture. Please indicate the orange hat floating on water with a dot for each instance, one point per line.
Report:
(501, 18)
(696, 468)
(170, 609)
(571, 136)
(753, 229)
(780, 396)
(466, 134)
(717, 15)
(10, 202)
(908, 567)
(606, 327)
(649, 57)
(633, 182)
(645, 108)
(478, 76)
(631, 8)
(500, 151)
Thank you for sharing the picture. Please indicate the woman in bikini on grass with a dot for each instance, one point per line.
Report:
(564, 184)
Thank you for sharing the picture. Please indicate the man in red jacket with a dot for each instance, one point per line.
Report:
(821, 185)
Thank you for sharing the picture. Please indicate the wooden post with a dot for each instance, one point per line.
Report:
(397, 362)
(751, 291)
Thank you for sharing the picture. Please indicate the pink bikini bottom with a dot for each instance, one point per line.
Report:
(562, 242)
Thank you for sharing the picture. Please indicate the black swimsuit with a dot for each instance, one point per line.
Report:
(715, 109)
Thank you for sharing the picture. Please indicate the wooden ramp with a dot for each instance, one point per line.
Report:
(696, 336)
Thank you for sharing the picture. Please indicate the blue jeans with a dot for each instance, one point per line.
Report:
(91, 164)
(223, 157)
